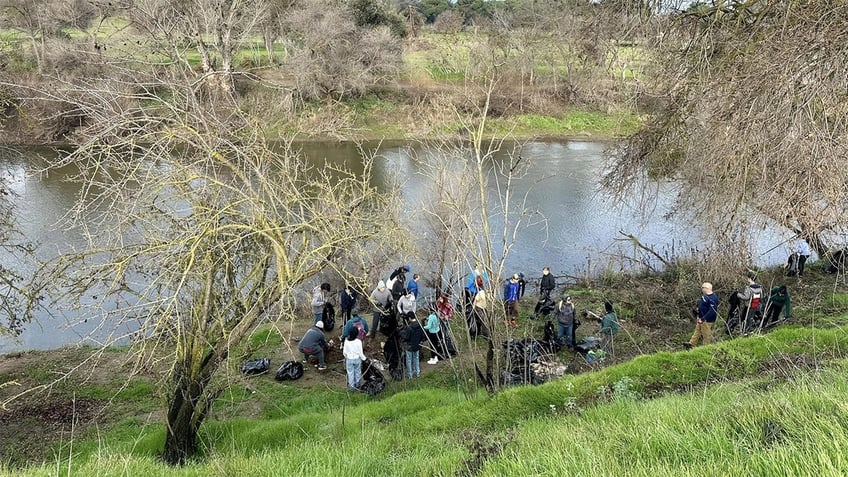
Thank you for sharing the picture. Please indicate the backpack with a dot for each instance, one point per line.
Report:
(289, 371)
(756, 301)
(361, 327)
(329, 317)
(256, 366)
(398, 288)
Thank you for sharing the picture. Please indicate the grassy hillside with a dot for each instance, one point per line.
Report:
(762, 405)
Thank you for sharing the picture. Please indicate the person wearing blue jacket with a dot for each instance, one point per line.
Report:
(511, 290)
(412, 286)
(706, 314)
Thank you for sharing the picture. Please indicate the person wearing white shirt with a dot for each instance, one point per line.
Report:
(354, 356)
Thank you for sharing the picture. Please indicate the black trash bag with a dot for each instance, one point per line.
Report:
(389, 322)
(372, 379)
(545, 306)
(289, 371)
(792, 265)
(395, 357)
(329, 317)
(256, 366)
(836, 262)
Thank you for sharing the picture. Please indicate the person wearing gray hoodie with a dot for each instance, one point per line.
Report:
(381, 298)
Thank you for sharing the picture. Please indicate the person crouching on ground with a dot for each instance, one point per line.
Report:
(314, 343)
(412, 336)
(354, 357)
(706, 313)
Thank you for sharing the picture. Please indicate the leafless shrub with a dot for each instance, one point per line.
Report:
(332, 57)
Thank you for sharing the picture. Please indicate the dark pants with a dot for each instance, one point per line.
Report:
(802, 259)
(346, 313)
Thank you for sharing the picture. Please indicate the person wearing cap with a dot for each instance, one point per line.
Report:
(706, 313)
(511, 300)
(314, 343)
(564, 313)
(397, 282)
(522, 285)
(319, 300)
(381, 298)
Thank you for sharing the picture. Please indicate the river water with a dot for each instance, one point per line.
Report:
(579, 236)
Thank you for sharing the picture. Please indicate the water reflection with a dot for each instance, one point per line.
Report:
(562, 184)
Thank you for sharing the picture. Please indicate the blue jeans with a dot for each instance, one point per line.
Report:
(316, 352)
(318, 317)
(565, 330)
(354, 373)
(412, 364)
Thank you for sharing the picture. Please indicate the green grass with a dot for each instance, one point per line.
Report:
(575, 122)
(748, 406)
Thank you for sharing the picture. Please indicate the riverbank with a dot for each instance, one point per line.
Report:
(83, 398)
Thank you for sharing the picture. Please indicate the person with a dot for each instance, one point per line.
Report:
(381, 298)
(407, 304)
(511, 290)
(444, 309)
(314, 343)
(412, 286)
(802, 248)
(319, 300)
(397, 282)
(433, 330)
(522, 285)
(706, 313)
(547, 285)
(778, 300)
(349, 296)
(751, 298)
(412, 336)
(609, 326)
(564, 313)
(477, 323)
(354, 356)
(357, 323)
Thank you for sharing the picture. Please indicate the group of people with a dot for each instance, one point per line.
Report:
(750, 309)
(394, 315)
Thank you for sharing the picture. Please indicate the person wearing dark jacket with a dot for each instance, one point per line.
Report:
(547, 285)
(779, 300)
(522, 285)
(314, 343)
(397, 282)
(412, 286)
(564, 313)
(706, 313)
(349, 296)
(412, 336)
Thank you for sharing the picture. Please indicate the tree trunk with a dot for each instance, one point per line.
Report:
(181, 438)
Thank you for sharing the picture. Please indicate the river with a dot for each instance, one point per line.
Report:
(579, 237)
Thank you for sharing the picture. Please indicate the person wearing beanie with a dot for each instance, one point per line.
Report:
(314, 343)
(381, 298)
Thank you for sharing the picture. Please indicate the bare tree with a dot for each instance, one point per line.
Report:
(332, 57)
(753, 120)
(214, 29)
(199, 230)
